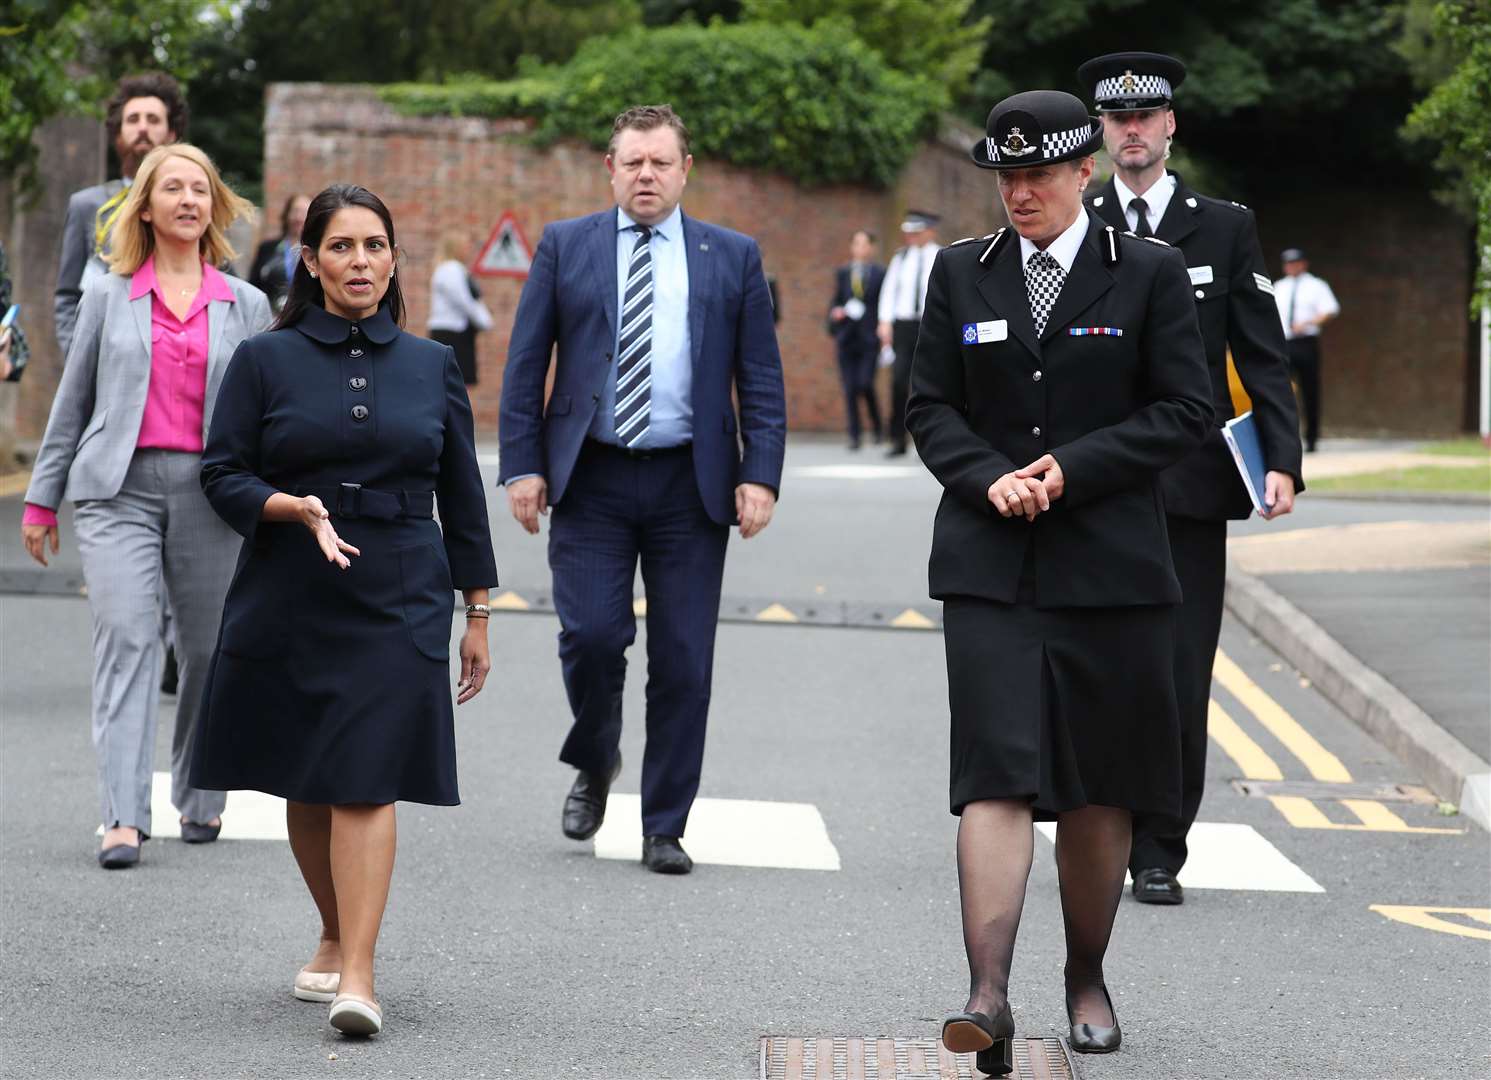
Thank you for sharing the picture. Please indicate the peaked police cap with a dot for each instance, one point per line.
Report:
(1038, 127)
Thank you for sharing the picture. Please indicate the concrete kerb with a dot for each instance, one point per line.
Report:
(1450, 768)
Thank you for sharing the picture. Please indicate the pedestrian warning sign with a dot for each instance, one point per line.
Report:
(506, 252)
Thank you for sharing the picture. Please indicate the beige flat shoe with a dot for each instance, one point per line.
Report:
(316, 985)
(356, 1016)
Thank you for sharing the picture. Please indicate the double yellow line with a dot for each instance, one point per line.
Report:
(1256, 764)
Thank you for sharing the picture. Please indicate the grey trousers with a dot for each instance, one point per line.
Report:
(159, 530)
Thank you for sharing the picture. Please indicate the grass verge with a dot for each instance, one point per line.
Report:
(1431, 479)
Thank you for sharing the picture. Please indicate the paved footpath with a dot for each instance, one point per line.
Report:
(1336, 925)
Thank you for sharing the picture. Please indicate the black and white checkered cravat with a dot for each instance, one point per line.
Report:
(634, 368)
(1043, 280)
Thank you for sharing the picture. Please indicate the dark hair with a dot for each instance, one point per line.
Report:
(866, 233)
(156, 84)
(305, 291)
(285, 213)
(646, 118)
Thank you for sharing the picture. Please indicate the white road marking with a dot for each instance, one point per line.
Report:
(729, 832)
(1231, 856)
(250, 815)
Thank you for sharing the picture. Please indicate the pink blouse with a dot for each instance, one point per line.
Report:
(178, 371)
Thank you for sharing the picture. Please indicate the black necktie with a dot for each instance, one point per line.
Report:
(634, 369)
(1142, 229)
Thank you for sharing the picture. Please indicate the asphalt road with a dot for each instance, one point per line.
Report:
(509, 951)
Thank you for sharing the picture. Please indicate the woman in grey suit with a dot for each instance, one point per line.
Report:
(124, 443)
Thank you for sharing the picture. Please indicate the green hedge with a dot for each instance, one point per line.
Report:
(816, 103)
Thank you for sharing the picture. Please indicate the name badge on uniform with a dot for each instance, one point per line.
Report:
(985, 332)
(1200, 275)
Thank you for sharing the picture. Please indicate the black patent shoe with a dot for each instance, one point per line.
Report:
(1157, 886)
(585, 805)
(1093, 1038)
(119, 857)
(992, 1039)
(195, 832)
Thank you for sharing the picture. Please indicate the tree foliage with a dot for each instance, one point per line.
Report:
(816, 104)
(933, 38)
(1454, 116)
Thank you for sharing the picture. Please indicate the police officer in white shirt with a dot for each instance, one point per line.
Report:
(1306, 303)
(901, 299)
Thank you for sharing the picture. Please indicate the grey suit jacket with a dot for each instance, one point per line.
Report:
(78, 262)
(96, 414)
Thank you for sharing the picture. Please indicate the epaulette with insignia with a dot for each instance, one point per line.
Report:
(1239, 205)
(1155, 240)
(970, 239)
(995, 239)
(1099, 200)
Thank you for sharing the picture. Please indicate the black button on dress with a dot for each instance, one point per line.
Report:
(335, 686)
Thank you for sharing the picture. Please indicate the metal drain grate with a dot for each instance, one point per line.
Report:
(844, 1058)
(1383, 791)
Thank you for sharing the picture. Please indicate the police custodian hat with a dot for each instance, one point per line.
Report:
(1129, 81)
(1038, 127)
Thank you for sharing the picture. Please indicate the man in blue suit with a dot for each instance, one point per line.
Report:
(641, 454)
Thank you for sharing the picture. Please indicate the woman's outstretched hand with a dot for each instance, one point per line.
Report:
(314, 517)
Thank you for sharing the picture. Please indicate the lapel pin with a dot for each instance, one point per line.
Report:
(703, 247)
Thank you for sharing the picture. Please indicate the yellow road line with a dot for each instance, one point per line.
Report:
(1426, 918)
(1322, 764)
(1250, 758)
(1302, 813)
(1374, 817)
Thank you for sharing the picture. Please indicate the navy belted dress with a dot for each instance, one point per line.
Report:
(328, 685)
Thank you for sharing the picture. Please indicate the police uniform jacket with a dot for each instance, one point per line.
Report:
(1235, 305)
(1114, 409)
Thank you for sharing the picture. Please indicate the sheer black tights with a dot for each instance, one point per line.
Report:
(1092, 852)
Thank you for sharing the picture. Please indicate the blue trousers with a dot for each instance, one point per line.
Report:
(619, 510)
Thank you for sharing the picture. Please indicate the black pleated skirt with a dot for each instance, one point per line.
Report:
(1065, 707)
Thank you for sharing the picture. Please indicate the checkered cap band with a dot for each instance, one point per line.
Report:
(991, 147)
(1063, 142)
(1145, 86)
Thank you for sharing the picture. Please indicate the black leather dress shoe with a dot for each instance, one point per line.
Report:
(1093, 1038)
(1157, 886)
(585, 805)
(665, 855)
(119, 857)
(990, 1037)
(194, 833)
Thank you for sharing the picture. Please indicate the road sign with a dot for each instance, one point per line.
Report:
(506, 252)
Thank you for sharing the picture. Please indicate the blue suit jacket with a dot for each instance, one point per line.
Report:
(570, 299)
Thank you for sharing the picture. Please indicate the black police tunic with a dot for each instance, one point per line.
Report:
(1059, 631)
(328, 685)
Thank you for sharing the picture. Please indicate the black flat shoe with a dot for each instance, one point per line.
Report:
(992, 1039)
(119, 857)
(193, 833)
(585, 805)
(665, 855)
(1157, 886)
(1092, 1038)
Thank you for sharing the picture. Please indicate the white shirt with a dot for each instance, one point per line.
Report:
(1309, 296)
(452, 307)
(904, 290)
(1064, 248)
(1156, 201)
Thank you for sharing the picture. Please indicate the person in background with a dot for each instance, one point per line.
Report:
(852, 316)
(14, 351)
(902, 295)
(124, 443)
(274, 262)
(145, 111)
(1305, 304)
(336, 436)
(456, 310)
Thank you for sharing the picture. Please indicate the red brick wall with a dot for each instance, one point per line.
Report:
(436, 173)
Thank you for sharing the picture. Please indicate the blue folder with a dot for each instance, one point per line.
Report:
(1241, 434)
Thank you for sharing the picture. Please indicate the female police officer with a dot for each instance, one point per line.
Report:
(1059, 369)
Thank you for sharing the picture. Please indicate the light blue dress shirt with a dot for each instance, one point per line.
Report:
(671, 422)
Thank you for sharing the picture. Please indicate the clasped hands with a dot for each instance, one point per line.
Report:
(1029, 491)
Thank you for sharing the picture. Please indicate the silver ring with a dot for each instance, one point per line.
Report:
(1012, 497)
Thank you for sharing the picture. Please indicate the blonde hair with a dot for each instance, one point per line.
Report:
(132, 240)
(453, 245)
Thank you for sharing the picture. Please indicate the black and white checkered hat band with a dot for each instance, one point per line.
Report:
(1143, 86)
(1064, 142)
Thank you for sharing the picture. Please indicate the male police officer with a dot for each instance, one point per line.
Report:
(1234, 301)
(903, 294)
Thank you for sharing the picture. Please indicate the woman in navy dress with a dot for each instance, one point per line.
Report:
(329, 683)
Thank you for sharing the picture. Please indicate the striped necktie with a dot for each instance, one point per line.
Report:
(634, 368)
